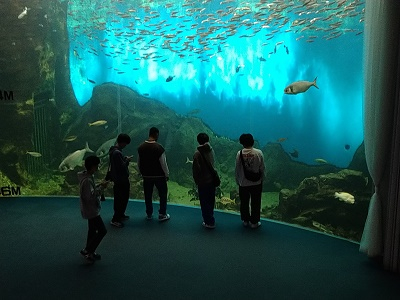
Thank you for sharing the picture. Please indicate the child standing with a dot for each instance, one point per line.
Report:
(90, 194)
(203, 163)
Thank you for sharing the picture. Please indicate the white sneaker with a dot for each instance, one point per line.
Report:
(258, 224)
(208, 225)
(165, 217)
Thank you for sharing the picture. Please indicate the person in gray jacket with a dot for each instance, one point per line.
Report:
(89, 196)
(203, 162)
(249, 159)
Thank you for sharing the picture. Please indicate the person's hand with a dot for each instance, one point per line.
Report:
(104, 183)
(128, 158)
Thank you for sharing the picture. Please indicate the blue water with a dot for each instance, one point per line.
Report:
(236, 83)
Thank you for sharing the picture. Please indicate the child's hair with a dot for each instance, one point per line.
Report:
(123, 138)
(153, 132)
(246, 139)
(91, 161)
(202, 138)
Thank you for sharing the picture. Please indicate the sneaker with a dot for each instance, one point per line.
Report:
(162, 218)
(209, 226)
(149, 217)
(117, 224)
(90, 256)
(245, 223)
(258, 224)
(125, 217)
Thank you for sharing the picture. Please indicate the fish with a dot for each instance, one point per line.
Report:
(105, 147)
(34, 154)
(347, 146)
(345, 197)
(74, 159)
(70, 138)
(24, 13)
(169, 78)
(281, 140)
(294, 154)
(238, 68)
(98, 123)
(194, 111)
(320, 161)
(91, 81)
(188, 161)
(262, 58)
(300, 87)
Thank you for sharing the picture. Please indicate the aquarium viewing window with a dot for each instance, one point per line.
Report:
(75, 74)
(233, 58)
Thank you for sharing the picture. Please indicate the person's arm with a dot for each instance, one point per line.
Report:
(164, 166)
(196, 169)
(237, 166)
(138, 164)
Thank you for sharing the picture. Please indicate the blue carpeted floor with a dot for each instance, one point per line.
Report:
(179, 259)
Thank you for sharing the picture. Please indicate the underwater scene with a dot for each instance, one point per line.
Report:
(74, 74)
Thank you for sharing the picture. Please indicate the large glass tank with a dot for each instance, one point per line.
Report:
(75, 74)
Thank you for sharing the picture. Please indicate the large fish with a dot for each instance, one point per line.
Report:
(74, 159)
(103, 149)
(345, 197)
(300, 87)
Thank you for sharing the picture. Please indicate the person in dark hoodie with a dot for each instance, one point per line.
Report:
(90, 194)
(203, 161)
(120, 176)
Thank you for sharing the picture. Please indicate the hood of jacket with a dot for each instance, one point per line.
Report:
(82, 175)
(204, 149)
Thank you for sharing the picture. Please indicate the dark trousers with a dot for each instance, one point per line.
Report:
(162, 188)
(207, 203)
(245, 193)
(121, 198)
(96, 233)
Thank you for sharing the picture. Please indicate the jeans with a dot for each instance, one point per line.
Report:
(245, 193)
(207, 203)
(96, 233)
(162, 188)
(121, 198)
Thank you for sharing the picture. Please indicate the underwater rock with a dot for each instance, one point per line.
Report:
(313, 202)
(283, 171)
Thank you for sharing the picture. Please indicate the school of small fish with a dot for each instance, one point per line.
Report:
(198, 30)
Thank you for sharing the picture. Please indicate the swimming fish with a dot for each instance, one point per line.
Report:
(70, 138)
(169, 78)
(34, 154)
(24, 13)
(281, 140)
(98, 123)
(300, 87)
(262, 58)
(345, 197)
(74, 159)
(347, 146)
(105, 147)
(320, 161)
(294, 154)
(91, 81)
(238, 68)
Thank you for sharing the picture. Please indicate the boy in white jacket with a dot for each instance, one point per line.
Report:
(90, 195)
